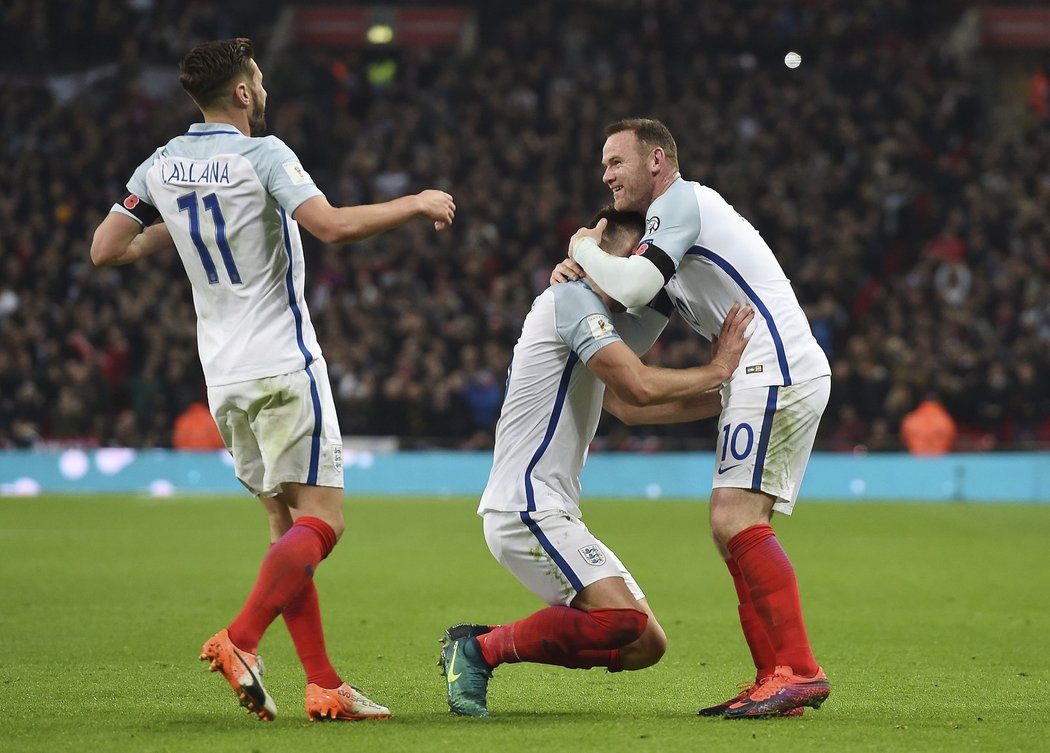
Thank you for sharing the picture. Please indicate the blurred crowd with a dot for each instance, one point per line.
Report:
(905, 203)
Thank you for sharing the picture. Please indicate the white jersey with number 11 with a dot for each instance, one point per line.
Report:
(228, 201)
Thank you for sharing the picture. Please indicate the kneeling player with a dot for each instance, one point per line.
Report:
(571, 348)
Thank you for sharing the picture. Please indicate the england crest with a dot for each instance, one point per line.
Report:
(593, 555)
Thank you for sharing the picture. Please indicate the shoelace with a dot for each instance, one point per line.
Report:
(770, 686)
(744, 687)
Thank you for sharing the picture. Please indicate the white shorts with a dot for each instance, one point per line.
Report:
(765, 438)
(552, 553)
(281, 429)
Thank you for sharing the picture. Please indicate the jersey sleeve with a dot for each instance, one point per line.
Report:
(583, 320)
(138, 204)
(286, 180)
(672, 224)
(639, 327)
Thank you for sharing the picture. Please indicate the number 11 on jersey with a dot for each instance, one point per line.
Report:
(188, 203)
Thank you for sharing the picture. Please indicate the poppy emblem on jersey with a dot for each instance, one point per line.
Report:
(642, 248)
(131, 201)
(652, 225)
(593, 555)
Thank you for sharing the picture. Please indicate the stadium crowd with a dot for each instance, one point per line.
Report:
(904, 203)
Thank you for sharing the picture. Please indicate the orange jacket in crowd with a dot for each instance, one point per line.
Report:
(928, 430)
(195, 429)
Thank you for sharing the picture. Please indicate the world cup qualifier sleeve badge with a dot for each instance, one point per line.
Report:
(593, 555)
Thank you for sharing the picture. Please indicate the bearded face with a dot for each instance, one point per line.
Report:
(257, 111)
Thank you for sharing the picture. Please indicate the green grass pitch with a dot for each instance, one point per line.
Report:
(932, 621)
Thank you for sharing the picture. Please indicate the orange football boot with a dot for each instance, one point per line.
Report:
(782, 692)
(344, 702)
(243, 671)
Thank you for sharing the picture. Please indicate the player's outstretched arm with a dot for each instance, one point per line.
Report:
(704, 405)
(348, 224)
(636, 387)
(631, 280)
(120, 240)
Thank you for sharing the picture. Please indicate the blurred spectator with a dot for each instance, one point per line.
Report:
(911, 222)
(1039, 92)
(929, 429)
(195, 429)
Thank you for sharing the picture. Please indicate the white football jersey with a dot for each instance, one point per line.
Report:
(720, 260)
(553, 402)
(227, 201)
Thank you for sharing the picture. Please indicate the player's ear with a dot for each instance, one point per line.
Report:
(241, 94)
(656, 159)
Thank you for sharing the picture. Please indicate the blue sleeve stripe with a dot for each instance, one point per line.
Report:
(730, 270)
(559, 402)
(548, 547)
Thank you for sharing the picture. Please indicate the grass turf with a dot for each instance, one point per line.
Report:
(930, 619)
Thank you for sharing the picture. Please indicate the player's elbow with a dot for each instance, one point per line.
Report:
(325, 222)
(103, 252)
(636, 392)
(340, 232)
(326, 232)
(626, 414)
(629, 418)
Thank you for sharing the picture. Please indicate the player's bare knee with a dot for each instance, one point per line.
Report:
(335, 519)
(732, 513)
(655, 643)
(723, 525)
(647, 650)
(338, 528)
(321, 502)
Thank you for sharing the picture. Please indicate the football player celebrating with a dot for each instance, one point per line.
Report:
(573, 358)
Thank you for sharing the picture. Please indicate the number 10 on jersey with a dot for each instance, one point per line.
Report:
(188, 203)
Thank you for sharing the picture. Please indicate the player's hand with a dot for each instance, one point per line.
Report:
(595, 234)
(731, 341)
(567, 271)
(437, 206)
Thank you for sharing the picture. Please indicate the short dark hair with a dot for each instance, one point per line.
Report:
(619, 224)
(652, 134)
(209, 68)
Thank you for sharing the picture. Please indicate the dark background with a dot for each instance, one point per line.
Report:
(900, 174)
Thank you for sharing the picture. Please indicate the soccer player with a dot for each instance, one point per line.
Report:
(707, 257)
(573, 356)
(233, 204)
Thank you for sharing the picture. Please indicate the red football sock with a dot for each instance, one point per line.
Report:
(774, 592)
(302, 616)
(287, 567)
(564, 636)
(762, 651)
(589, 658)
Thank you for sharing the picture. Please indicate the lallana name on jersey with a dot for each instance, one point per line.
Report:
(197, 172)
